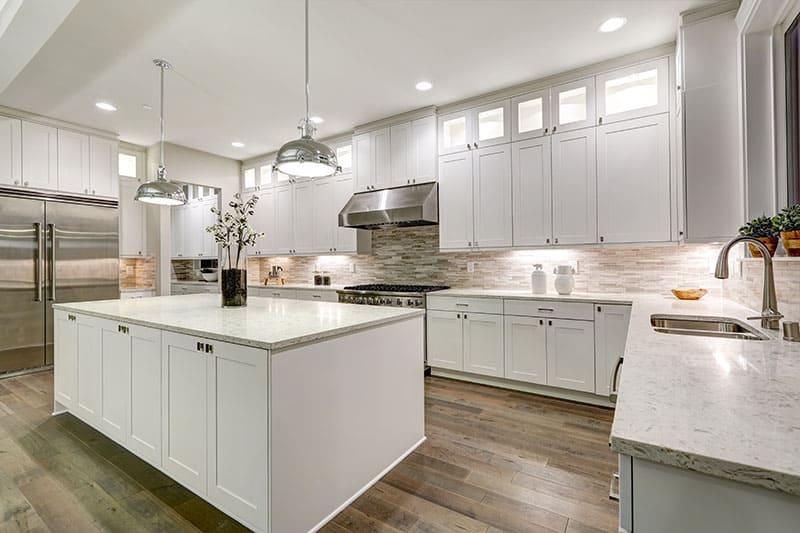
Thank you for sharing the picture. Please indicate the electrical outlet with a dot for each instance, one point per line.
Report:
(352, 268)
(316, 267)
(575, 266)
(470, 266)
(129, 270)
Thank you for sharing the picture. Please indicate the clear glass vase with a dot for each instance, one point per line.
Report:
(234, 287)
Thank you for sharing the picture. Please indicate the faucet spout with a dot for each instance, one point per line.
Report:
(770, 317)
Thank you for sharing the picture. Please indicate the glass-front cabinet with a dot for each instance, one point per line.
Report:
(455, 132)
(530, 115)
(573, 105)
(633, 92)
(475, 128)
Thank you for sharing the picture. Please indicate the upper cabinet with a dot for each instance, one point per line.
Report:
(475, 128)
(39, 156)
(132, 235)
(73, 162)
(574, 187)
(103, 167)
(372, 160)
(632, 92)
(530, 115)
(573, 105)
(10, 151)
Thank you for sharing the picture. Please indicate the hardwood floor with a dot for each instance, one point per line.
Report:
(494, 461)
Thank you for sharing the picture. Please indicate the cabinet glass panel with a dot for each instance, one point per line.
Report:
(344, 155)
(127, 165)
(490, 124)
(454, 132)
(572, 106)
(265, 174)
(635, 91)
(530, 115)
(249, 178)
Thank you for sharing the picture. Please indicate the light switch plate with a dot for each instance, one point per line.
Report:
(352, 268)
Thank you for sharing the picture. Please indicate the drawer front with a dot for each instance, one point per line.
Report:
(476, 305)
(318, 296)
(548, 309)
(279, 293)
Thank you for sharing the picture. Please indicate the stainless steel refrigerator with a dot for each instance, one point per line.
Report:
(52, 249)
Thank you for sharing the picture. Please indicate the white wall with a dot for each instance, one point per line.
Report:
(188, 166)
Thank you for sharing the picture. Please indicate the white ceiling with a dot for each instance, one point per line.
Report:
(239, 63)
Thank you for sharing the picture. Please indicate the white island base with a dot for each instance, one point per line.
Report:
(280, 439)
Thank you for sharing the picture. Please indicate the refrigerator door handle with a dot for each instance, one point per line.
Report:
(52, 230)
(37, 268)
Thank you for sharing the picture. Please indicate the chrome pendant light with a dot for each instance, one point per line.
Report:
(161, 191)
(305, 157)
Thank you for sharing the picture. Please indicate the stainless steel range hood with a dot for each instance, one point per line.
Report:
(410, 205)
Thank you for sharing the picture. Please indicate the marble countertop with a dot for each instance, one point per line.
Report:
(192, 282)
(611, 298)
(297, 286)
(267, 323)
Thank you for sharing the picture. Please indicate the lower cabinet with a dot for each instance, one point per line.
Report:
(472, 342)
(65, 380)
(89, 399)
(570, 354)
(115, 359)
(317, 296)
(144, 415)
(611, 331)
(526, 349)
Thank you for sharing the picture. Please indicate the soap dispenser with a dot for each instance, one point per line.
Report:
(538, 280)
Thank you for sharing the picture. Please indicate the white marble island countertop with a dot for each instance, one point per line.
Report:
(725, 407)
(267, 323)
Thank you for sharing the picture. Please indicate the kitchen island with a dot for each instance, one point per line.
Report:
(279, 414)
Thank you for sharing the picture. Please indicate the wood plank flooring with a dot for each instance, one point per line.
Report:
(494, 461)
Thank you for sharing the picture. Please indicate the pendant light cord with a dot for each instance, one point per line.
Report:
(162, 118)
(307, 84)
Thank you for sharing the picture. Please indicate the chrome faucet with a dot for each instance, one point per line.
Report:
(770, 317)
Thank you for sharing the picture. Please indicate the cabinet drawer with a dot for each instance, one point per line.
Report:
(278, 293)
(476, 305)
(318, 296)
(544, 308)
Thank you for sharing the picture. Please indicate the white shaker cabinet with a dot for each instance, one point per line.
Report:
(532, 192)
(322, 215)
(610, 334)
(483, 344)
(115, 355)
(633, 180)
(10, 151)
(491, 191)
(284, 218)
(530, 115)
(631, 92)
(525, 349)
(144, 418)
(346, 239)
(39, 156)
(570, 354)
(372, 160)
(573, 105)
(65, 380)
(177, 225)
(210, 248)
(264, 221)
(478, 127)
(574, 187)
(73, 162)
(400, 139)
(423, 149)
(303, 241)
(455, 201)
(88, 402)
(103, 167)
(132, 230)
(445, 339)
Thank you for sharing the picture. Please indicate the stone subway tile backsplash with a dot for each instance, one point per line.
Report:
(137, 273)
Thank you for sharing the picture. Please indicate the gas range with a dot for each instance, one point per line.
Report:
(388, 294)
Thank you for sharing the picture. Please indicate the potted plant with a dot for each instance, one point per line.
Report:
(788, 222)
(764, 229)
(233, 232)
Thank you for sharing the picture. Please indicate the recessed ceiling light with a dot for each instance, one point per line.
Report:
(424, 85)
(317, 120)
(612, 24)
(237, 144)
(105, 106)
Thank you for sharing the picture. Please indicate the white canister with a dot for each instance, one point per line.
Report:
(538, 280)
(565, 279)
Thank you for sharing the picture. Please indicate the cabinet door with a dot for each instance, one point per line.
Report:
(249, 181)
(455, 201)
(400, 138)
(10, 151)
(423, 150)
(344, 156)
(177, 222)
(574, 187)
(131, 220)
(532, 192)
(263, 220)
(455, 132)
(483, 344)
(73, 162)
(611, 332)
(103, 167)
(491, 179)
(89, 398)
(381, 157)
(237, 430)
(632, 92)
(530, 115)
(144, 417)
(633, 186)
(573, 105)
(115, 354)
(303, 219)
(346, 238)
(284, 219)
(322, 215)
(445, 339)
(492, 124)
(362, 162)
(192, 231)
(266, 176)
(39, 156)
(570, 354)
(525, 349)
(184, 409)
(210, 248)
(66, 359)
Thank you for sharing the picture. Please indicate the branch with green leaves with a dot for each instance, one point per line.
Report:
(232, 228)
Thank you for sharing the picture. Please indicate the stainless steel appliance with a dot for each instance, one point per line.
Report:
(53, 248)
(385, 294)
(409, 205)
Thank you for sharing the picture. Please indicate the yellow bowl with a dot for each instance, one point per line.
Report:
(689, 294)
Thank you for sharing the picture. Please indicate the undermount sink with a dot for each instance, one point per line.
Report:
(706, 326)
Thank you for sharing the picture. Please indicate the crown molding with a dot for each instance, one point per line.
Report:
(56, 123)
